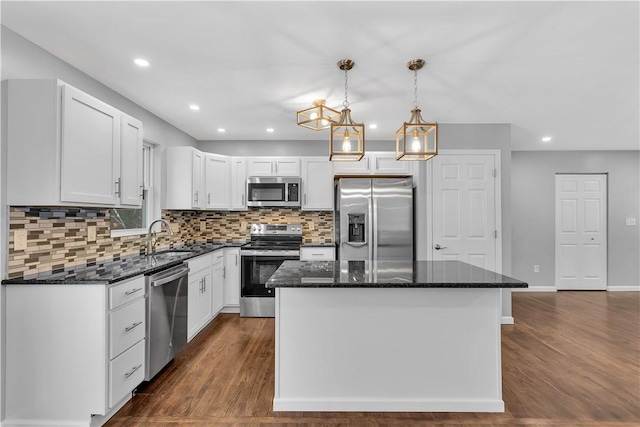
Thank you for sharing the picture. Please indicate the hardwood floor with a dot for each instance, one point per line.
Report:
(571, 359)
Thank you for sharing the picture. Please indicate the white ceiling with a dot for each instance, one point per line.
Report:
(569, 70)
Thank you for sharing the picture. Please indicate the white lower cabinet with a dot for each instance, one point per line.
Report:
(232, 280)
(199, 296)
(81, 346)
(218, 273)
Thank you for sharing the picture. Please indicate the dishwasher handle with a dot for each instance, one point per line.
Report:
(167, 276)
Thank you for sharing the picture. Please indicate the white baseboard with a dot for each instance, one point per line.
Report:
(231, 309)
(45, 423)
(535, 289)
(507, 320)
(624, 288)
(389, 405)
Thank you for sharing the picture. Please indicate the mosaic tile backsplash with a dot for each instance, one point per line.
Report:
(57, 237)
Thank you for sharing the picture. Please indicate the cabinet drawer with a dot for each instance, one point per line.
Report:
(126, 327)
(125, 292)
(317, 253)
(218, 256)
(126, 372)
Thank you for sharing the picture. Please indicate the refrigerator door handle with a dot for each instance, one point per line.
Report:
(374, 227)
(371, 230)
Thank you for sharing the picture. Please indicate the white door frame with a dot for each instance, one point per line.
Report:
(498, 200)
(605, 192)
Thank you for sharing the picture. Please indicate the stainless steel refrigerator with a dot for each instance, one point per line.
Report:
(373, 219)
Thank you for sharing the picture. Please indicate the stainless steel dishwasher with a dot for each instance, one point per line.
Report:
(166, 317)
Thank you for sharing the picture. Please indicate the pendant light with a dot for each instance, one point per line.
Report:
(416, 139)
(318, 117)
(347, 137)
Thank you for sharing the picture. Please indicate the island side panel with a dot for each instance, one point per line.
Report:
(388, 349)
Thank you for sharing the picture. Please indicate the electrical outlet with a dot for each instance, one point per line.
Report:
(20, 239)
(631, 221)
(174, 228)
(536, 268)
(203, 225)
(91, 233)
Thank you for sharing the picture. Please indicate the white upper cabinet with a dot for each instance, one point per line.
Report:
(184, 178)
(217, 176)
(131, 164)
(273, 166)
(238, 196)
(65, 147)
(378, 163)
(317, 184)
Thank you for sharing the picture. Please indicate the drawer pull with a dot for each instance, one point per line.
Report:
(132, 371)
(133, 291)
(129, 328)
(317, 254)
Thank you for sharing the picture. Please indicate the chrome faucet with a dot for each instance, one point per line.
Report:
(151, 240)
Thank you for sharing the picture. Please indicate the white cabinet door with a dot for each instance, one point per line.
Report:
(217, 173)
(232, 277)
(360, 167)
(386, 163)
(317, 184)
(260, 167)
(217, 287)
(238, 196)
(197, 181)
(90, 149)
(193, 303)
(205, 304)
(131, 162)
(289, 166)
(273, 166)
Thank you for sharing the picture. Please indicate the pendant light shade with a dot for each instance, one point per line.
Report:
(319, 116)
(416, 139)
(347, 137)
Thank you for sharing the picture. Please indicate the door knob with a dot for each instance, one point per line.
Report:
(438, 247)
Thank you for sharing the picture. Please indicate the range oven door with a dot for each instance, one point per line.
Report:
(257, 268)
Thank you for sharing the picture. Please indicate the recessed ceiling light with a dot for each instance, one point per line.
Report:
(270, 130)
(222, 130)
(141, 62)
(194, 107)
(373, 126)
(546, 139)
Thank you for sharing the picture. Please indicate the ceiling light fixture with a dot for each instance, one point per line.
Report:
(345, 134)
(546, 139)
(373, 126)
(141, 62)
(222, 130)
(318, 117)
(416, 139)
(194, 107)
(270, 130)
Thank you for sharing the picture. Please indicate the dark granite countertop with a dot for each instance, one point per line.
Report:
(387, 274)
(117, 269)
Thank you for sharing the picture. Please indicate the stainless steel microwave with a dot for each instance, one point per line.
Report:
(273, 191)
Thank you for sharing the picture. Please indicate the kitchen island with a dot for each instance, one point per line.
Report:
(419, 336)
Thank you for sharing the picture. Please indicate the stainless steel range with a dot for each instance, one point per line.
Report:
(270, 246)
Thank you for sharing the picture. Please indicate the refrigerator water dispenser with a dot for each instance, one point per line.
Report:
(356, 228)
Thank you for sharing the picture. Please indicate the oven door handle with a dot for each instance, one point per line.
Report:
(270, 253)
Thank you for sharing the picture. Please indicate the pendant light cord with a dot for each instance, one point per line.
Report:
(345, 104)
(415, 88)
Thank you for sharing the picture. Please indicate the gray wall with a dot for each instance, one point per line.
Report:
(533, 199)
(282, 148)
(22, 59)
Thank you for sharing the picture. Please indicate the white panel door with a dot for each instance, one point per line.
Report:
(90, 149)
(238, 198)
(581, 232)
(197, 179)
(317, 184)
(464, 209)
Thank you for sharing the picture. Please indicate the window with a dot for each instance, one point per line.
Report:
(127, 221)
